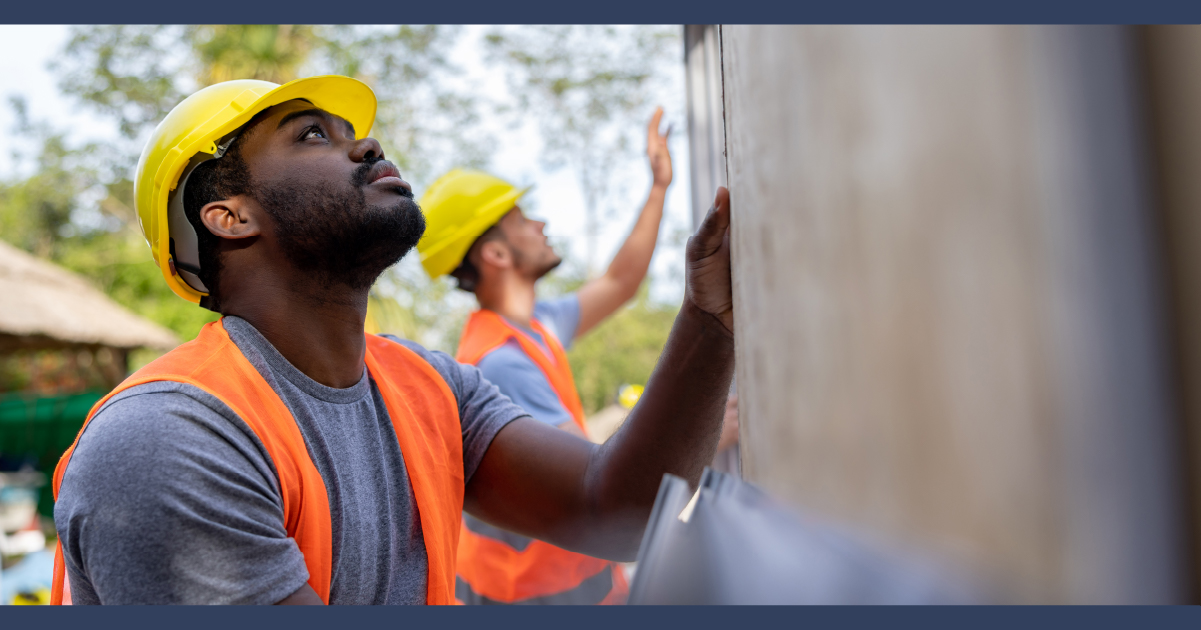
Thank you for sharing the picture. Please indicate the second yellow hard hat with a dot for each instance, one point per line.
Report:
(459, 207)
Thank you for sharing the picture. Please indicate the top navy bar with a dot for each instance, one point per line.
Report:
(609, 12)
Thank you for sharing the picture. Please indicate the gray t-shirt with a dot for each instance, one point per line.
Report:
(171, 498)
(518, 377)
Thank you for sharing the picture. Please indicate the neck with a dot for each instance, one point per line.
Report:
(317, 329)
(508, 295)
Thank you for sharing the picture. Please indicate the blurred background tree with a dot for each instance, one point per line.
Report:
(588, 88)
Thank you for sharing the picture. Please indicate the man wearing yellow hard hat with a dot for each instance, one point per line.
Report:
(477, 233)
(284, 456)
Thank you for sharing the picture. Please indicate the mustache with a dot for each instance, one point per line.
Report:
(361, 176)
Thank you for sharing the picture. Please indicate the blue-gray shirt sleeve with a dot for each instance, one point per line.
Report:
(518, 377)
(483, 409)
(561, 315)
(171, 499)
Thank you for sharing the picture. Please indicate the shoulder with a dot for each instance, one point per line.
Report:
(158, 410)
(561, 315)
(483, 409)
(170, 497)
(508, 362)
(567, 305)
(459, 377)
(150, 430)
(158, 444)
(440, 361)
(516, 375)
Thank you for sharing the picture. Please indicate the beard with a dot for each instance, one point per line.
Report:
(547, 267)
(334, 235)
(535, 269)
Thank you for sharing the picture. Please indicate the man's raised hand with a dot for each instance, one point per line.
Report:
(656, 150)
(708, 263)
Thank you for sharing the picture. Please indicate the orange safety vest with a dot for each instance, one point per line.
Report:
(495, 571)
(424, 413)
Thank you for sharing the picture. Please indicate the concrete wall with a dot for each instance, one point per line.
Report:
(950, 319)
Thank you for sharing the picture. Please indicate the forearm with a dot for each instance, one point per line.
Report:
(673, 429)
(600, 297)
(631, 262)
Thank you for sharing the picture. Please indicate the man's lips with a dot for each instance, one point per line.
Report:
(387, 174)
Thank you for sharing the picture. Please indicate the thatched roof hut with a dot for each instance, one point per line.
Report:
(43, 306)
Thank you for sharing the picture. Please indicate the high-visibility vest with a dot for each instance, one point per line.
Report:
(499, 567)
(424, 414)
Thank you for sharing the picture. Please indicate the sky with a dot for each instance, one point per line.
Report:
(556, 196)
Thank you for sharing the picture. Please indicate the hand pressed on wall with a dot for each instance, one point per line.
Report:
(708, 263)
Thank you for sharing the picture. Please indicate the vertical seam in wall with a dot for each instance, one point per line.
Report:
(721, 71)
(725, 163)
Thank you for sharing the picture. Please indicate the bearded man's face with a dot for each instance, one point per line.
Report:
(341, 212)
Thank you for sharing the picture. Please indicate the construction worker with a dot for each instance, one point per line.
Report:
(478, 234)
(284, 456)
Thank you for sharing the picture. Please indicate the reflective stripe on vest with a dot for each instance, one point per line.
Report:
(499, 567)
(424, 414)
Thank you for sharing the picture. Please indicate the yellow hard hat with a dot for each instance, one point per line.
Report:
(458, 207)
(201, 128)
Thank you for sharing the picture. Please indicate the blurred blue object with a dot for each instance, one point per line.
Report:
(35, 571)
(730, 543)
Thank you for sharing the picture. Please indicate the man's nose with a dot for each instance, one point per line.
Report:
(367, 149)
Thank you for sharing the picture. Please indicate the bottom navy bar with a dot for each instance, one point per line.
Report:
(603, 618)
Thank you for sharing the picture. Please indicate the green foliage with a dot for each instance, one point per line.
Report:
(622, 349)
(128, 72)
(269, 52)
(136, 74)
(37, 211)
(77, 207)
(66, 212)
(580, 79)
(584, 85)
(119, 263)
(588, 88)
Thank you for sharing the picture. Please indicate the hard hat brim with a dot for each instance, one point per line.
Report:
(439, 259)
(345, 97)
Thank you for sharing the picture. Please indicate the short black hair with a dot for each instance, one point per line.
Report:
(466, 273)
(214, 180)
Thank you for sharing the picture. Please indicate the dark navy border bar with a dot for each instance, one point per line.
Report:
(606, 618)
(607, 11)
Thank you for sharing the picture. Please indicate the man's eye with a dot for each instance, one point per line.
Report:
(312, 132)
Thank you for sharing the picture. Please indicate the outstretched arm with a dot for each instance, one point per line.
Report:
(547, 484)
(601, 296)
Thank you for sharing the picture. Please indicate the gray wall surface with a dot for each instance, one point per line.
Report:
(951, 320)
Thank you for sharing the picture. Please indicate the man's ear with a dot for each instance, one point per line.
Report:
(496, 253)
(233, 218)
